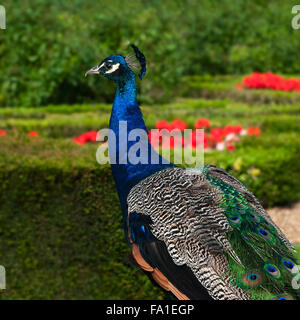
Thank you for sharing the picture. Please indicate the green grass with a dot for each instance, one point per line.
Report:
(61, 234)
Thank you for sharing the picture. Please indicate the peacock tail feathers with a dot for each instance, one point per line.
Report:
(268, 265)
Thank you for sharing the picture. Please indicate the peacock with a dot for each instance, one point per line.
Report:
(199, 233)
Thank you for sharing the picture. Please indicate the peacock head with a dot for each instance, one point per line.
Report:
(117, 67)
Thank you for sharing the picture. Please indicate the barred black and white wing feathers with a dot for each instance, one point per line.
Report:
(194, 230)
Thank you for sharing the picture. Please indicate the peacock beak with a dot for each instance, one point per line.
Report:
(94, 70)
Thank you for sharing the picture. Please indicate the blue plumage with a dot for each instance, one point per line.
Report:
(126, 109)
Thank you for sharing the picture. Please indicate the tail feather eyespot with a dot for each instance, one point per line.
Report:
(289, 265)
(282, 297)
(254, 217)
(234, 220)
(252, 279)
(264, 233)
(272, 270)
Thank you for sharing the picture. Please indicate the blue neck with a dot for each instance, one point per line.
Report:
(125, 108)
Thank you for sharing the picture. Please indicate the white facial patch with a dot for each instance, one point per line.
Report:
(113, 68)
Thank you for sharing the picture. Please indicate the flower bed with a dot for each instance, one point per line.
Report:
(215, 138)
(269, 80)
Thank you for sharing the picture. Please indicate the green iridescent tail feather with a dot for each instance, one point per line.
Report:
(268, 265)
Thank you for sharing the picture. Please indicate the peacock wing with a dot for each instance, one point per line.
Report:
(175, 216)
(199, 236)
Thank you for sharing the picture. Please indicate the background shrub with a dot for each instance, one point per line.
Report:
(48, 45)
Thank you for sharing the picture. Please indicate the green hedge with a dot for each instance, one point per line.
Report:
(59, 121)
(62, 237)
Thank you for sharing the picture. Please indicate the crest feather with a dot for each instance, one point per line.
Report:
(132, 62)
(137, 61)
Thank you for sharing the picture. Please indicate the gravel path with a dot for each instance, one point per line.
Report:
(288, 220)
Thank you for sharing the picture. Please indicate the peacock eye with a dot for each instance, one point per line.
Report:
(108, 65)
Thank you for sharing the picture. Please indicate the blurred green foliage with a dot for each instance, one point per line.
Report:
(48, 45)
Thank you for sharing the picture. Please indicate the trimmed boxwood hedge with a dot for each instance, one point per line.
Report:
(62, 237)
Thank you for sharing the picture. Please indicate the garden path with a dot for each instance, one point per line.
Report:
(288, 219)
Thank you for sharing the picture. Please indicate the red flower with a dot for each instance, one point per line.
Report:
(253, 131)
(162, 124)
(269, 80)
(202, 123)
(197, 138)
(90, 136)
(154, 137)
(230, 147)
(228, 129)
(172, 143)
(2, 133)
(178, 124)
(85, 137)
(238, 129)
(239, 87)
(79, 140)
(33, 134)
(217, 134)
